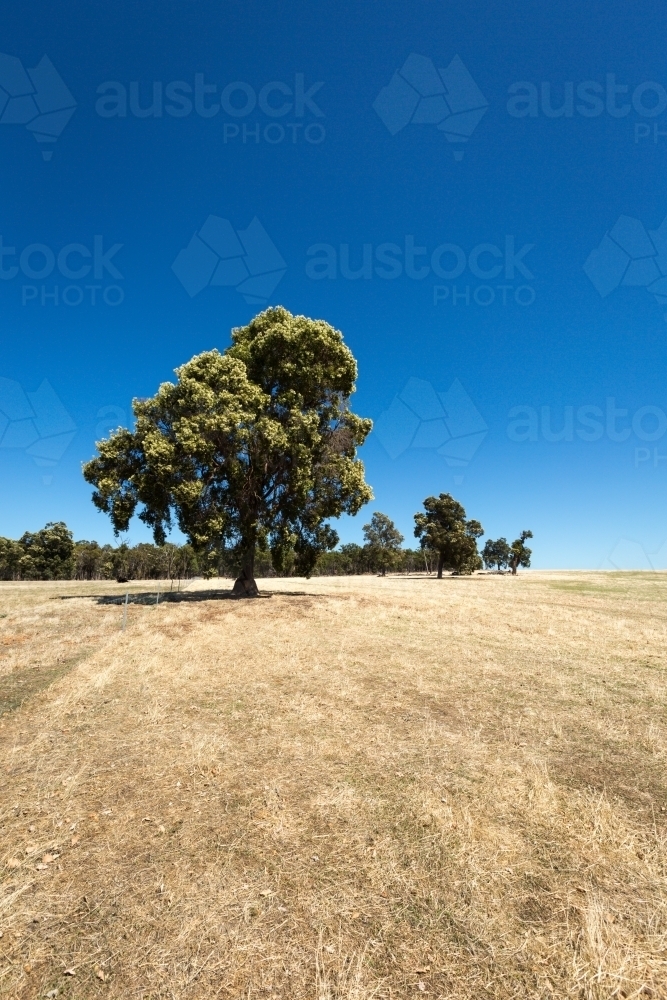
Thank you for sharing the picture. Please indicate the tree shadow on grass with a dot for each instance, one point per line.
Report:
(152, 598)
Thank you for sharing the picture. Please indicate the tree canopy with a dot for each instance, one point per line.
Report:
(496, 553)
(520, 553)
(46, 554)
(443, 528)
(383, 541)
(252, 447)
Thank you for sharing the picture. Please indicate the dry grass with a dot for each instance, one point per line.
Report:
(357, 788)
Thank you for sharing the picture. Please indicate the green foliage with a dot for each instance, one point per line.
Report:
(443, 528)
(383, 542)
(10, 559)
(44, 556)
(520, 553)
(496, 553)
(47, 554)
(145, 561)
(251, 449)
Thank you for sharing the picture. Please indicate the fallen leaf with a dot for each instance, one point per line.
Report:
(161, 829)
(427, 968)
(355, 915)
(48, 858)
(75, 840)
(99, 973)
(147, 819)
(27, 967)
(69, 972)
(95, 818)
(265, 892)
(13, 863)
(421, 986)
(40, 868)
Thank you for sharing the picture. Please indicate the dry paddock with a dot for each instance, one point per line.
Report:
(350, 788)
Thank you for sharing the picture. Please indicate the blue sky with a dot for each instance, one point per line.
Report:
(499, 245)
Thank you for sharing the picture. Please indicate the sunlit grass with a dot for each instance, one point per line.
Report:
(357, 787)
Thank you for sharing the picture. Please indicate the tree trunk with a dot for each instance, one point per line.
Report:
(441, 563)
(245, 585)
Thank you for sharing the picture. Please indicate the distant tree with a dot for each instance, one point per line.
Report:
(120, 562)
(410, 560)
(47, 554)
(10, 559)
(353, 559)
(90, 560)
(520, 553)
(251, 449)
(383, 542)
(443, 528)
(496, 553)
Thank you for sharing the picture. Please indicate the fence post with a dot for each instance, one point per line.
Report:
(127, 597)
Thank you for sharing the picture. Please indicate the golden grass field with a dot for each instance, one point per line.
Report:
(353, 788)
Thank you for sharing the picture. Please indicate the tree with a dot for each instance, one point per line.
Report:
(47, 554)
(383, 542)
(496, 553)
(520, 553)
(10, 559)
(443, 528)
(353, 558)
(252, 448)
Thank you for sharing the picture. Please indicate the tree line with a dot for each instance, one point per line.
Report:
(53, 554)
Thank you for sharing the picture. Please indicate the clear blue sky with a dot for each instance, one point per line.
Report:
(494, 174)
